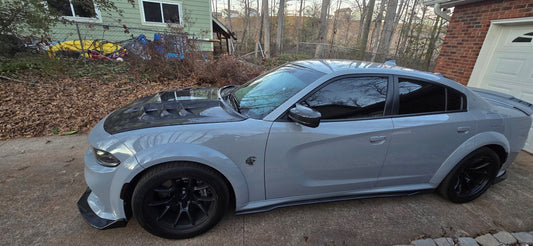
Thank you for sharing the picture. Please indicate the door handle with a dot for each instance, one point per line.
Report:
(463, 129)
(375, 139)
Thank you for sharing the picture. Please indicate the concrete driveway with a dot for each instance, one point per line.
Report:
(41, 180)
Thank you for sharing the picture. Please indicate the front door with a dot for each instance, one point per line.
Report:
(344, 153)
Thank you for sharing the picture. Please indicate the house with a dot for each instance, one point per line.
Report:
(489, 45)
(345, 13)
(143, 17)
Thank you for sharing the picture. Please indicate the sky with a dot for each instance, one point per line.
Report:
(292, 6)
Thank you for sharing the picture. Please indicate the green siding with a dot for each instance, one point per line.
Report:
(196, 20)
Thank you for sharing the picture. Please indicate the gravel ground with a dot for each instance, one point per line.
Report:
(41, 180)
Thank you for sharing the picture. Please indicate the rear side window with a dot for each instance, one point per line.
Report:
(418, 97)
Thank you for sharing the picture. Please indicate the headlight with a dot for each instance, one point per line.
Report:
(105, 158)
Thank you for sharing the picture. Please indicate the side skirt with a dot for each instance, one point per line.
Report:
(331, 199)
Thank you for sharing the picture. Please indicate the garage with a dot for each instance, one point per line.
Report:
(488, 44)
(505, 62)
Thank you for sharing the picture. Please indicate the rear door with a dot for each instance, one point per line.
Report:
(430, 122)
(344, 153)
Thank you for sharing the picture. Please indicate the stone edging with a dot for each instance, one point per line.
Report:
(497, 239)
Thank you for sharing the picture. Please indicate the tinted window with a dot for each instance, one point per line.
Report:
(455, 100)
(417, 97)
(420, 97)
(361, 97)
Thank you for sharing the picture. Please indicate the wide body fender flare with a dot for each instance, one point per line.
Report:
(183, 152)
(475, 142)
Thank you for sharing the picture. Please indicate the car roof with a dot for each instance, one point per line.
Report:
(331, 66)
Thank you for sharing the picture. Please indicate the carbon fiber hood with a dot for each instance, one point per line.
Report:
(174, 107)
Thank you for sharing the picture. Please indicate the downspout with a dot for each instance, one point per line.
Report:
(440, 13)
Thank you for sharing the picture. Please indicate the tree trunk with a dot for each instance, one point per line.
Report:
(384, 43)
(432, 41)
(299, 27)
(366, 30)
(258, 24)
(403, 16)
(362, 12)
(348, 23)
(376, 33)
(399, 14)
(229, 15)
(266, 29)
(281, 24)
(246, 24)
(406, 30)
(323, 29)
(419, 29)
(334, 32)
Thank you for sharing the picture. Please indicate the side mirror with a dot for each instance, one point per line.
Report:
(305, 116)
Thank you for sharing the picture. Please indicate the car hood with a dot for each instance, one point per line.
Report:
(174, 107)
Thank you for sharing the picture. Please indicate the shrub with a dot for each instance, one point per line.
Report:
(228, 70)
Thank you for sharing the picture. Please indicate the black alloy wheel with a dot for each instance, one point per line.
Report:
(471, 177)
(179, 200)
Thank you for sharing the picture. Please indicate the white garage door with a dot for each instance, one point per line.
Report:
(510, 67)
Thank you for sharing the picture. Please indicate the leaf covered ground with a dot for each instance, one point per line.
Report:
(48, 97)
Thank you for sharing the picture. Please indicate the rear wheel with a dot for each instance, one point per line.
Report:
(179, 200)
(471, 177)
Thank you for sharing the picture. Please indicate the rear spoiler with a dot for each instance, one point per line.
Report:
(504, 100)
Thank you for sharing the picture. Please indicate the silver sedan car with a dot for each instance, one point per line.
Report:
(305, 132)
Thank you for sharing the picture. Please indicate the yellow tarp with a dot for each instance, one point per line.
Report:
(104, 48)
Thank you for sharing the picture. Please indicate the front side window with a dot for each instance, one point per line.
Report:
(161, 12)
(349, 98)
(418, 97)
(74, 8)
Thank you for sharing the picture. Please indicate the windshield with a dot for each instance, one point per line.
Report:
(259, 97)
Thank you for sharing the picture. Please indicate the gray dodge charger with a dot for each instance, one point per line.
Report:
(305, 132)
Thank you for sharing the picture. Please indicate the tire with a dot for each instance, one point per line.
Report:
(180, 200)
(472, 176)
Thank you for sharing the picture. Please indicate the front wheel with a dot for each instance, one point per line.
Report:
(471, 177)
(179, 200)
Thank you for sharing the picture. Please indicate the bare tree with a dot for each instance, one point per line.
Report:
(246, 23)
(384, 43)
(258, 25)
(334, 32)
(376, 33)
(348, 19)
(366, 29)
(229, 15)
(323, 29)
(281, 25)
(406, 30)
(299, 26)
(362, 12)
(432, 41)
(266, 29)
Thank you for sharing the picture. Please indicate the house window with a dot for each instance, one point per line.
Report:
(74, 8)
(526, 38)
(161, 12)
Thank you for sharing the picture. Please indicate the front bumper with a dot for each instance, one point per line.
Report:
(92, 218)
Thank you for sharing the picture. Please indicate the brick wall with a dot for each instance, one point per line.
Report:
(467, 30)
